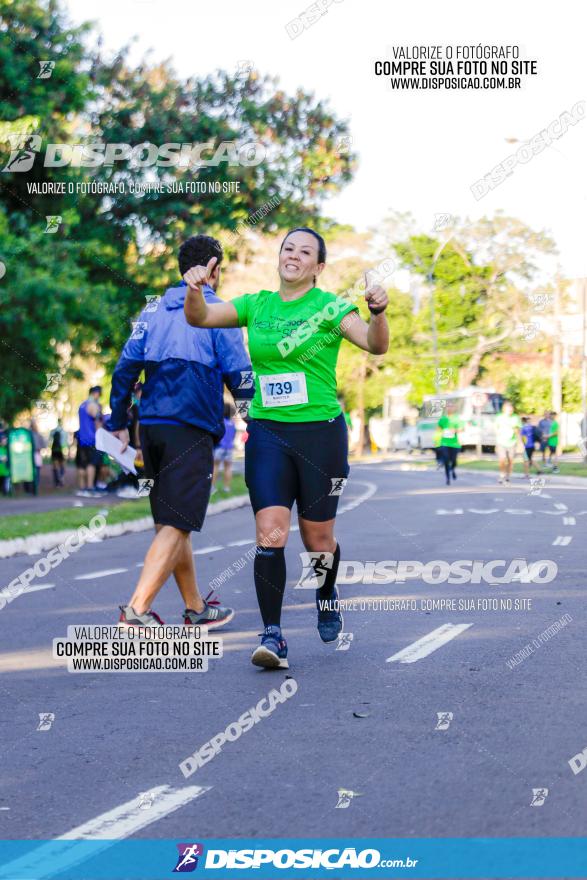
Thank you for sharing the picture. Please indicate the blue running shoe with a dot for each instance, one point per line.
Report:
(272, 652)
(330, 622)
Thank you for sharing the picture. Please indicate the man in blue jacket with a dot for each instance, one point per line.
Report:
(181, 419)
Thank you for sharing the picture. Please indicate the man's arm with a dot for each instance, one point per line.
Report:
(126, 373)
(237, 372)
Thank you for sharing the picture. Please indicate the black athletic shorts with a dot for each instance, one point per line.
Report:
(180, 461)
(86, 456)
(306, 462)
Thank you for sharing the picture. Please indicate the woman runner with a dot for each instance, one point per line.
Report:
(297, 448)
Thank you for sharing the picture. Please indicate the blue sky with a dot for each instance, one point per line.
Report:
(418, 151)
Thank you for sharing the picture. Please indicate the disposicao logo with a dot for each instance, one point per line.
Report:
(188, 857)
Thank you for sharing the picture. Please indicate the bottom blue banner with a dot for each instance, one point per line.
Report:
(558, 857)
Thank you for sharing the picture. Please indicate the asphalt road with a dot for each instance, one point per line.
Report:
(118, 738)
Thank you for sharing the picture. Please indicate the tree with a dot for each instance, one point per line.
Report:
(43, 310)
(481, 274)
(113, 250)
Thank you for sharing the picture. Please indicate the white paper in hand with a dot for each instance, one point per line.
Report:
(107, 442)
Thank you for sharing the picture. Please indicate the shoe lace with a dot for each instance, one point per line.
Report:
(269, 633)
(156, 616)
(209, 601)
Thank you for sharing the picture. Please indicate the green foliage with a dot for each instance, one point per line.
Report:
(92, 276)
(530, 393)
(43, 308)
(530, 390)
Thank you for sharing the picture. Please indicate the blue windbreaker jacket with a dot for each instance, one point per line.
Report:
(185, 367)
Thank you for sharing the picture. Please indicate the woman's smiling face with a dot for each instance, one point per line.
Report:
(298, 259)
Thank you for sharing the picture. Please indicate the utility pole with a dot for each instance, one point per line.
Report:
(361, 400)
(430, 280)
(584, 367)
(557, 395)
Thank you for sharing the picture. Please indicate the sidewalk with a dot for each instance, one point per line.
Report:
(50, 498)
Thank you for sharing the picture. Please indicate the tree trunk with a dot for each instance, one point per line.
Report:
(361, 401)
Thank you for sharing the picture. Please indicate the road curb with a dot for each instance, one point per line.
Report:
(32, 545)
(569, 481)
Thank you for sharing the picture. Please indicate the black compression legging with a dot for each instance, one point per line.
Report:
(449, 458)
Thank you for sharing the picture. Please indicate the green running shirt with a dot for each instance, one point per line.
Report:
(507, 429)
(294, 348)
(449, 425)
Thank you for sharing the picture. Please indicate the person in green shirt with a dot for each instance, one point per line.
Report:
(297, 449)
(449, 425)
(552, 442)
(4, 464)
(507, 437)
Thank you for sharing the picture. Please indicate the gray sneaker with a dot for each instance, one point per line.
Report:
(212, 616)
(129, 617)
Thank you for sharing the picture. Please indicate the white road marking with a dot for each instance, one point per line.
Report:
(515, 511)
(368, 493)
(561, 506)
(562, 540)
(483, 509)
(106, 572)
(429, 643)
(360, 499)
(552, 512)
(38, 587)
(456, 512)
(241, 543)
(54, 858)
(569, 521)
(203, 550)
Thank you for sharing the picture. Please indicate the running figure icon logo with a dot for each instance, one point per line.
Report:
(46, 69)
(24, 152)
(242, 407)
(345, 797)
(537, 484)
(46, 719)
(435, 407)
(539, 795)
(247, 380)
(146, 799)
(338, 484)
(444, 719)
(145, 486)
(315, 569)
(444, 375)
(344, 641)
(139, 328)
(53, 223)
(344, 144)
(443, 221)
(53, 380)
(188, 857)
(152, 301)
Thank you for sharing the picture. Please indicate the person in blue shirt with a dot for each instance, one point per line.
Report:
(181, 415)
(529, 436)
(543, 431)
(88, 459)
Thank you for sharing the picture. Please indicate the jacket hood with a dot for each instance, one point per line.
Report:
(174, 297)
